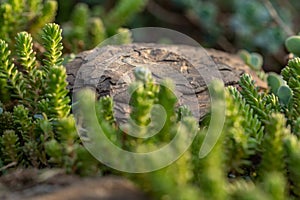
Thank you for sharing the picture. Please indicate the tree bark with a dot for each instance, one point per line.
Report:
(109, 71)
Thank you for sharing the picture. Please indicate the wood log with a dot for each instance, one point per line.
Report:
(109, 71)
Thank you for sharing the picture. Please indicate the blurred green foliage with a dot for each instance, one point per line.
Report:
(255, 157)
(253, 60)
(293, 44)
(258, 25)
(87, 27)
(24, 15)
(84, 27)
(249, 21)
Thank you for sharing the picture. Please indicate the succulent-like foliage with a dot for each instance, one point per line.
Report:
(46, 15)
(256, 157)
(32, 153)
(253, 97)
(105, 116)
(274, 82)
(11, 18)
(29, 15)
(6, 121)
(292, 44)
(54, 150)
(85, 164)
(97, 34)
(10, 75)
(195, 178)
(246, 190)
(26, 55)
(56, 93)
(4, 63)
(146, 116)
(144, 92)
(272, 187)
(296, 128)
(251, 124)
(32, 76)
(243, 134)
(211, 174)
(86, 30)
(274, 184)
(285, 95)
(124, 36)
(23, 122)
(279, 88)
(36, 125)
(163, 184)
(52, 41)
(253, 60)
(10, 146)
(105, 110)
(122, 13)
(291, 74)
(77, 35)
(292, 147)
(273, 152)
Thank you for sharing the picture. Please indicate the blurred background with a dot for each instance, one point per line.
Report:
(257, 25)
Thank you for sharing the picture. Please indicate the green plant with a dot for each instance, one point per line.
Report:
(161, 183)
(145, 95)
(291, 75)
(121, 13)
(277, 139)
(256, 157)
(209, 173)
(38, 127)
(270, 21)
(85, 30)
(249, 160)
(29, 15)
(259, 151)
(254, 152)
(278, 87)
(259, 102)
(273, 139)
(243, 134)
(284, 94)
(274, 82)
(292, 147)
(254, 60)
(292, 44)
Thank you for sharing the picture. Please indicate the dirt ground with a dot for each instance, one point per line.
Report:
(53, 184)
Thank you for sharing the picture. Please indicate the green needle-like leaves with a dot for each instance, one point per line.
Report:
(56, 93)
(24, 48)
(52, 41)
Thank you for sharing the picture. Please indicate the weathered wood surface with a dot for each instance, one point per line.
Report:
(109, 71)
